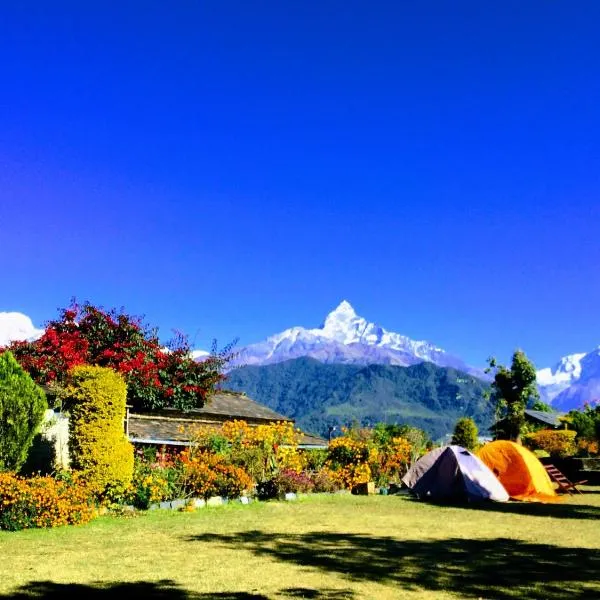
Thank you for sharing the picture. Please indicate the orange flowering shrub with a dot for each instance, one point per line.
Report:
(261, 450)
(589, 447)
(557, 443)
(395, 458)
(362, 455)
(206, 474)
(348, 461)
(43, 502)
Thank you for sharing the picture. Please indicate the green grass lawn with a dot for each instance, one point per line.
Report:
(321, 547)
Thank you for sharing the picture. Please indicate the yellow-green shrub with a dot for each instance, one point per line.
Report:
(98, 447)
(556, 442)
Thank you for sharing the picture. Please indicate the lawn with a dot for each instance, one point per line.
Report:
(321, 547)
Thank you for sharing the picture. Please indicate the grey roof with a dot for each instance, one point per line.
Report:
(548, 418)
(174, 427)
(309, 440)
(226, 406)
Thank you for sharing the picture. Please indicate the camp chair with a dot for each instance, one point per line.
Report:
(565, 484)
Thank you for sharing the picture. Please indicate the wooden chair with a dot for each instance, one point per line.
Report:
(564, 484)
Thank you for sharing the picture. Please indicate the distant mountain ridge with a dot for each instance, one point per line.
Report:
(346, 338)
(319, 395)
(572, 382)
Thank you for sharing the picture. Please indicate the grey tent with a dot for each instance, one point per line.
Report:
(453, 473)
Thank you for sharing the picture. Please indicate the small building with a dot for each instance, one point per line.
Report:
(538, 418)
(548, 420)
(170, 427)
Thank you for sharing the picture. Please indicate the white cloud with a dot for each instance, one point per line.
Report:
(17, 326)
(196, 354)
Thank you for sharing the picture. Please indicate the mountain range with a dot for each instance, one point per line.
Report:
(346, 338)
(572, 382)
(319, 395)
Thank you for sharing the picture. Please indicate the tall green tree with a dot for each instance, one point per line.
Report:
(466, 434)
(22, 407)
(512, 389)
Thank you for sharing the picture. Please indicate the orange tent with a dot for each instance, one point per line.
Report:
(519, 471)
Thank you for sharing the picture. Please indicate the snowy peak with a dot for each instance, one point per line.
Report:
(566, 370)
(572, 382)
(15, 326)
(343, 325)
(343, 310)
(346, 337)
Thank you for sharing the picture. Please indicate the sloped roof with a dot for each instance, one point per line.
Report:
(548, 418)
(226, 406)
(174, 426)
(308, 440)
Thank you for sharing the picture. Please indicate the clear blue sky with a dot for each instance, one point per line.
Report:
(235, 168)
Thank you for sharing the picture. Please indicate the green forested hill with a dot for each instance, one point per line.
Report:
(318, 395)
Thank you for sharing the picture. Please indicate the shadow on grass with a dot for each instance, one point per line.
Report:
(559, 510)
(161, 590)
(500, 569)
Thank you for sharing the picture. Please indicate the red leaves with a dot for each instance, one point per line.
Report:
(87, 334)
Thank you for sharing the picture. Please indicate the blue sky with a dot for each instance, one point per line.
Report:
(231, 169)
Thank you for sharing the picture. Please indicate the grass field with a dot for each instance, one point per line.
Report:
(321, 547)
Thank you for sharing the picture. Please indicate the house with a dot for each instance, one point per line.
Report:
(537, 418)
(548, 420)
(168, 427)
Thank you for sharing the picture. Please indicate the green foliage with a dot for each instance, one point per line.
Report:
(541, 406)
(96, 399)
(512, 390)
(586, 422)
(22, 407)
(466, 434)
(318, 395)
(315, 458)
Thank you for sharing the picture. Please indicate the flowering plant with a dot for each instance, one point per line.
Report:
(157, 377)
(43, 502)
(206, 474)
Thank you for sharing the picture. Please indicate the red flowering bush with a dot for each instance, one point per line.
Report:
(156, 377)
(289, 480)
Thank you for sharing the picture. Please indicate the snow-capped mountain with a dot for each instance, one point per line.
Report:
(347, 338)
(15, 326)
(572, 382)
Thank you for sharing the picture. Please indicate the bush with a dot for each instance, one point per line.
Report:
(557, 443)
(22, 407)
(206, 474)
(43, 502)
(157, 477)
(91, 335)
(466, 434)
(267, 489)
(348, 461)
(324, 481)
(289, 480)
(587, 448)
(315, 459)
(99, 449)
